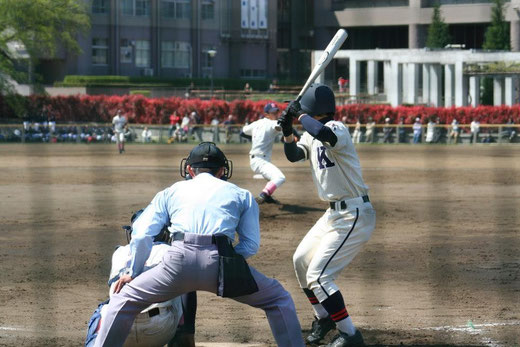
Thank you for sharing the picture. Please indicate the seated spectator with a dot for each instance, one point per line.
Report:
(146, 135)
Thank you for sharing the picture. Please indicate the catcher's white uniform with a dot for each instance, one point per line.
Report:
(339, 234)
(155, 325)
(264, 132)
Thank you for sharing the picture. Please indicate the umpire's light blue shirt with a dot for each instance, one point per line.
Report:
(203, 205)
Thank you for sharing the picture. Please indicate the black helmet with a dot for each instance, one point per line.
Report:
(163, 236)
(207, 155)
(317, 100)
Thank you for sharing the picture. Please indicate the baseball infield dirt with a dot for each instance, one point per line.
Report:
(442, 267)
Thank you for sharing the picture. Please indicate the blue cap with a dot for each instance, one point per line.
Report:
(270, 107)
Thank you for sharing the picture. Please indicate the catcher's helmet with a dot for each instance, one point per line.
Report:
(318, 99)
(207, 155)
(163, 236)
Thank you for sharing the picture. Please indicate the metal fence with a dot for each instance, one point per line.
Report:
(382, 133)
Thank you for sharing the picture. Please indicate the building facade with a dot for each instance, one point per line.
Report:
(175, 38)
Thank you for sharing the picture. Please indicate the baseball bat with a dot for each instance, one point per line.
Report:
(325, 59)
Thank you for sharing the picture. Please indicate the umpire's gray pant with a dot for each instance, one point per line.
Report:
(187, 266)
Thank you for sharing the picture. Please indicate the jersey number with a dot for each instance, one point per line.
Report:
(323, 160)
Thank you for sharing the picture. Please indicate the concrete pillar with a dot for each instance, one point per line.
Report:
(449, 72)
(387, 69)
(509, 91)
(354, 77)
(413, 36)
(372, 76)
(515, 35)
(498, 91)
(474, 90)
(412, 83)
(461, 85)
(314, 60)
(426, 83)
(435, 85)
(396, 88)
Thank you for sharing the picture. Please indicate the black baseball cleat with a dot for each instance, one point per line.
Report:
(320, 328)
(344, 340)
(261, 198)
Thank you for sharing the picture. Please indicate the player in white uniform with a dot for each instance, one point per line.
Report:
(262, 134)
(338, 236)
(157, 324)
(119, 122)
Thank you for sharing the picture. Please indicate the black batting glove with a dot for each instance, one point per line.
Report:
(292, 111)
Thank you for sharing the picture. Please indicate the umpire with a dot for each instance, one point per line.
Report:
(205, 213)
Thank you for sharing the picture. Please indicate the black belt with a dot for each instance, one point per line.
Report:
(258, 155)
(154, 312)
(179, 236)
(343, 204)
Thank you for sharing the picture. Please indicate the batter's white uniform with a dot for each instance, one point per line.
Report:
(156, 325)
(340, 233)
(263, 134)
(119, 123)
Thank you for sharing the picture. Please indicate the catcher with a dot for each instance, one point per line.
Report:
(159, 324)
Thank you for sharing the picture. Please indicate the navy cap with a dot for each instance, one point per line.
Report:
(206, 154)
(270, 107)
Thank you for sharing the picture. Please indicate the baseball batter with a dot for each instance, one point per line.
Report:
(119, 122)
(156, 325)
(338, 236)
(262, 134)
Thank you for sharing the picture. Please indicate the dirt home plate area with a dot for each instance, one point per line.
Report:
(442, 267)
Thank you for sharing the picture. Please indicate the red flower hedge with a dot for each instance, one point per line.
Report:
(142, 110)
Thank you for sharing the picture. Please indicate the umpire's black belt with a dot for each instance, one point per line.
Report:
(196, 238)
(344, 204)
(258, 155)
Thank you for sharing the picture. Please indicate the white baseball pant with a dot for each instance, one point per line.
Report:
(331, 244)
(268, 170)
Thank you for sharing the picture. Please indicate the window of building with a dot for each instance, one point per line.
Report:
(126, 51)
(207, 9)
(252, 73)
(100, 6)
(142, 7)
(142, 53)
(167, 54)
(99, 51)
(135, 7)
(183, 9)
(182, 56)
(180, 9)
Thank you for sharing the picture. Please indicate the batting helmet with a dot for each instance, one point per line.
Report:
(207, 155)
(318, 99)
(163, 236)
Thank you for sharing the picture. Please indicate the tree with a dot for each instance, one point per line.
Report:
(41, 27)
(495, 38)
(497, 34)
(438, 31)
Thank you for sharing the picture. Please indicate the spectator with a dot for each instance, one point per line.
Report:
(430, 130)
(371, 130)
(229, 125)
(273, 86)
(185, 125)
(387, 131)
(438, 131)
(356, 135)
(174, 121)
(342, 84)
(215, 125)
(475, 130)
(417, 130)
(489, 138)
(196, 128)
(247, 88)
(401, 131)
(453, 137)
(510, 131)
(146, 135)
